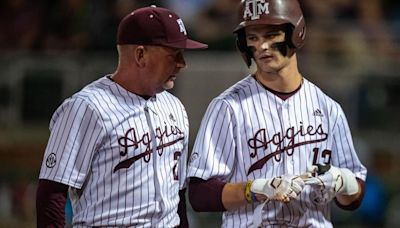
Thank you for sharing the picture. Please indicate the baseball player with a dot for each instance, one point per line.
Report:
(119, 146)
(273, 150)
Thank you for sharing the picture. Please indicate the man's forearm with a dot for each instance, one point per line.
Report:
(182, 209)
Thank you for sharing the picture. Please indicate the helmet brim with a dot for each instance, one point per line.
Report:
(271, 21)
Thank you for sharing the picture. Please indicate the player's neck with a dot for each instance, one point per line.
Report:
(280, 83)
(285, 80)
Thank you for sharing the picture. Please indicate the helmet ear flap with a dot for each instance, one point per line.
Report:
(241, 45)
(289, 36)
(298, 35)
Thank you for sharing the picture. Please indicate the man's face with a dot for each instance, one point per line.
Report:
(165, 63)
(260, 38)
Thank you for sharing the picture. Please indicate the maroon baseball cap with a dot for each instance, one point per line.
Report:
(155, 26)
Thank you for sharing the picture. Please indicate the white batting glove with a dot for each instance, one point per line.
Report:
(333, 182)
(282, 188)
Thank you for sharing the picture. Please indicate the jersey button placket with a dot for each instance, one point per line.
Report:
(292, 161)
(285, 125)
(149, 111)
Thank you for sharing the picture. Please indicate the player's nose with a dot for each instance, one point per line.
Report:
(265, 45)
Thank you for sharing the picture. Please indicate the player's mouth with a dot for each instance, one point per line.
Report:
(265, 55)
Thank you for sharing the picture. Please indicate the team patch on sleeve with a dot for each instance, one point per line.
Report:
(51, 160)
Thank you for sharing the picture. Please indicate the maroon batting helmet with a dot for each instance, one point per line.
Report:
(270, 12)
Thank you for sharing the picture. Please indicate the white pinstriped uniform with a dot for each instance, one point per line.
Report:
(95, 136)
(248, 133)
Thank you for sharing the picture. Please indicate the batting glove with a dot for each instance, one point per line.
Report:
(333, 182)
(282, 188)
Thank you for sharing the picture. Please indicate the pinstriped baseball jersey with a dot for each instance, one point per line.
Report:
(123, 157)
(248, 132)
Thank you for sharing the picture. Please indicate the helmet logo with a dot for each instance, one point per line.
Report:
(254, 8)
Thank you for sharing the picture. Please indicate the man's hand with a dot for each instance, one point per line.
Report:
(282, 188)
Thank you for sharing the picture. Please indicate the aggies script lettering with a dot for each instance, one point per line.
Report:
(131, 139)
(260, 141)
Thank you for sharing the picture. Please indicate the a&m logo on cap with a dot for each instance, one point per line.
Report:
(181, 26)
(254, 8)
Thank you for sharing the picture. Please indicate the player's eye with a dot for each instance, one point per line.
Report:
(251, 38)
(274, 35)
(271, 35)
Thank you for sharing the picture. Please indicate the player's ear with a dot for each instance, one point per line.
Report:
(139, 55)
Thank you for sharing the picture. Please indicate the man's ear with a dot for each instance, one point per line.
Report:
(139, 55)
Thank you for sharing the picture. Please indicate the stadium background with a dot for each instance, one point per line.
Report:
(50, 49)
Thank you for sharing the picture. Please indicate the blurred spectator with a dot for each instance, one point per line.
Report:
(373, 24)
(19, 25)
(23, 198)
(392, 216)
(5, 199)
(352, 33)
(66, 25)
(391, 10)
(328, 10)
(215, 24)
(336, 41)
(104, 19)
(374, 206)
(188, 9)
(382, 174)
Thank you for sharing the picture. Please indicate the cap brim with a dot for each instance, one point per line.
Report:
(191, 44)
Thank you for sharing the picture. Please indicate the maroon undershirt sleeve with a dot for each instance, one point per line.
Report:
(50, 204)
(182, 209)
(206, 195)
(356, 203)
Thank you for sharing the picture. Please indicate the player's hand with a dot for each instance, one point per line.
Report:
(333, 182)
(282, 188)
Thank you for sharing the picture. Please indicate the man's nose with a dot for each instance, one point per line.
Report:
(180, 61)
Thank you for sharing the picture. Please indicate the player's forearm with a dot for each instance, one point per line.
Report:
(233, 195)
(347, 200)
(351, 202)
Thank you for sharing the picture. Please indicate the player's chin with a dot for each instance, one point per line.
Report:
(268, 67)
(265, 62)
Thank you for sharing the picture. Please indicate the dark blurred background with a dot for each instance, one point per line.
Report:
(50, 49)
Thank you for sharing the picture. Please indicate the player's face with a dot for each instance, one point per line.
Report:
(165, 64)
(261, 39)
